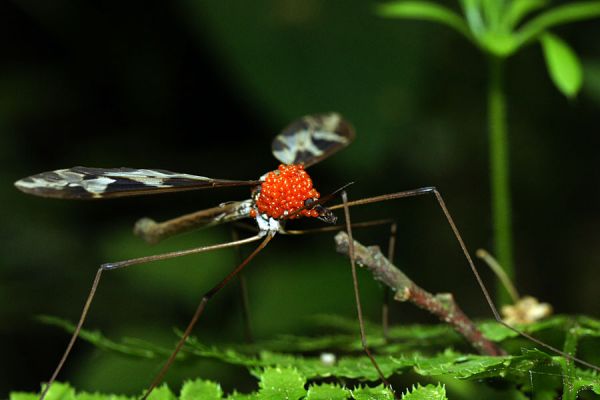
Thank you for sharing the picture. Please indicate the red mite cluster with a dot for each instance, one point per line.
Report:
(286, 189)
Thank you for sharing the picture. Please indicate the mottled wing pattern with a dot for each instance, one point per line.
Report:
(312, 138)
(96, 183)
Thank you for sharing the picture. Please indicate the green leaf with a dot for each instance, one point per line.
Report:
(128, 346)
(281, 383)
(493, 11)
(459, 366)
(23, 396)
(426, 11)
(563, 65)
(60, 391)
(199, 389)
(162, 393)
(370, 393)
(519, 9)
(497, 332)
(327, 391)
(557, 16)
(242, 396)
(473, 13)
(100, 396)
(429, 392)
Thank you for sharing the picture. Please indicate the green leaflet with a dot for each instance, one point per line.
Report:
(563, 65)
(429, 392)
(200, 389)
(281, 383)
(327, 391)
(371, 393)
(424, 10)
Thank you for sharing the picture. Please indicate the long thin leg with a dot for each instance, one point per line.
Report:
(243, 291)
(86, 307)
(335, 228)
(363, 336)
(488, 298)
(385, 308)
(179, 253)
(391, 247)
(201, 306)
(122, 264)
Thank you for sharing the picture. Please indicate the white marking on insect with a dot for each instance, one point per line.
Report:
(31, 183)
(94, 186)
(303, 140)
(148, 176)
(267, 224)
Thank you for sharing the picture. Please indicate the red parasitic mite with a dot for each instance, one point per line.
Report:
(284, 191)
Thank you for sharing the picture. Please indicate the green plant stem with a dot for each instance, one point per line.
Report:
(499, 171)
(568, 367)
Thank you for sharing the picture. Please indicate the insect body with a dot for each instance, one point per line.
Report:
(282, 194)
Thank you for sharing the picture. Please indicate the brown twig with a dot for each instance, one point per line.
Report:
(441, 305)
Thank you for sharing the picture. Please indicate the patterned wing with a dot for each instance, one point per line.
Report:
(312, 138)
(96, 183)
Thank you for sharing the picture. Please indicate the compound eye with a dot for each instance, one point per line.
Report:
(309, 202)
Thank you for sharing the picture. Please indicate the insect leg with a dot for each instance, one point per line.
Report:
(199, 310)
(457, 235)
(123, 264)
(86, 307)
(391, 246)
(243, 291)
(385, 320)
(363, 336)
(488, 298)
(335, 228)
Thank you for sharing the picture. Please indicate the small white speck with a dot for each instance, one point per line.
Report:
(328, 359)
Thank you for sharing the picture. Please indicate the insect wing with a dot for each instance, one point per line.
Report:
(96, 183)
(312, 138)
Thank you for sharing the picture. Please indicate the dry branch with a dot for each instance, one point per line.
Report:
(441, 305)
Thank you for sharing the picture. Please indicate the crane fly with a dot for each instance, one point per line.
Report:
(284, 194)
(279, 195)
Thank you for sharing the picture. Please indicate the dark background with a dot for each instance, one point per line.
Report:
(202, 87)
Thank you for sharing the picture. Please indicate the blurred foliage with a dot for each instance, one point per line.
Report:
(202, 87)
(420, 348)
(500, 29)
